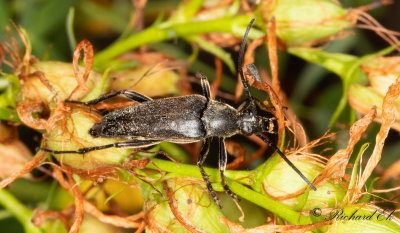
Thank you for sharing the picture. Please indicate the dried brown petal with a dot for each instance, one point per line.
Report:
(336, 166)
(388, 117)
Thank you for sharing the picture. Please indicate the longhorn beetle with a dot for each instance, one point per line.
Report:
(185, 119)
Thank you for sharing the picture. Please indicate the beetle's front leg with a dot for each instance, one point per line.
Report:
(129, 94)
(222, 160)
(200, 161)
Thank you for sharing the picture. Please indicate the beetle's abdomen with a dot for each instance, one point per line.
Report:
(168, 119)
(220, 119)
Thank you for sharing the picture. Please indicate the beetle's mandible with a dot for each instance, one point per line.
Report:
(185, 119)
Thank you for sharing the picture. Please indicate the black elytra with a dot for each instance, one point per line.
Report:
(185, 119)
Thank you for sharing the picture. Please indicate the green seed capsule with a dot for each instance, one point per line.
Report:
(147, 81)
(60, 76)
(283, 184)
(305, 21)
(192, 205)
(71, 133)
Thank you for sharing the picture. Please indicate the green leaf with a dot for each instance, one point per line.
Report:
(70, 29)
(213, 49)
(8, 97)
(99, 89)
(22, 213)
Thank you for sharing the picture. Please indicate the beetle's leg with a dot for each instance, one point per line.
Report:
(129, 94)
(200, 161)
(222, 160)
(137, 144)
(266, 139)
(205, 85)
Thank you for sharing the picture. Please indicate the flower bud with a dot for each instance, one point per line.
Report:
(186, 197)
(60, 76)
(145, 80)
(285, 185)
(305, 21)
(71, 133)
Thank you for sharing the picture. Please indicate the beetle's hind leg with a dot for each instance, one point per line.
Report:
(222, 160)
(85, 150)
(129, 94)
(200, 161)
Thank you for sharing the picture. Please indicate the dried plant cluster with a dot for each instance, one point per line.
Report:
(116, 189)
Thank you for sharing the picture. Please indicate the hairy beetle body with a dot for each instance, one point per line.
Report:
(176, 119)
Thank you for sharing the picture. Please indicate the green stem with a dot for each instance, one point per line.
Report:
(244, 177)
(236, 26)
(23, 214)
(270, 204)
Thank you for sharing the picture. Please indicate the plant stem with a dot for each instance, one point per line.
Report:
(23, 214)
(244, 177)
(270, 204)
(160, 32)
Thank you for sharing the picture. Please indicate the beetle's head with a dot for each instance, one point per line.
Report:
(96, 129)
(263, 122)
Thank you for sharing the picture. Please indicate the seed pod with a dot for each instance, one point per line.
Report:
(305, 21)
(147, 81)
(284, 184)
(363, 218)
(60, 76)
(188, 207)
(71, 133)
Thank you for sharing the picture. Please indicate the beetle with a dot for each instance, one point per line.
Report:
(186, 119)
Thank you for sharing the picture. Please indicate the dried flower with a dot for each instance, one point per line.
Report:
(381, 72)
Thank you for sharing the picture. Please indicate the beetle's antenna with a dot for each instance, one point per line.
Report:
(265, 139)
(240, 67)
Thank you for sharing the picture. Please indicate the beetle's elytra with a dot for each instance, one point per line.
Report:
(185, 119)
